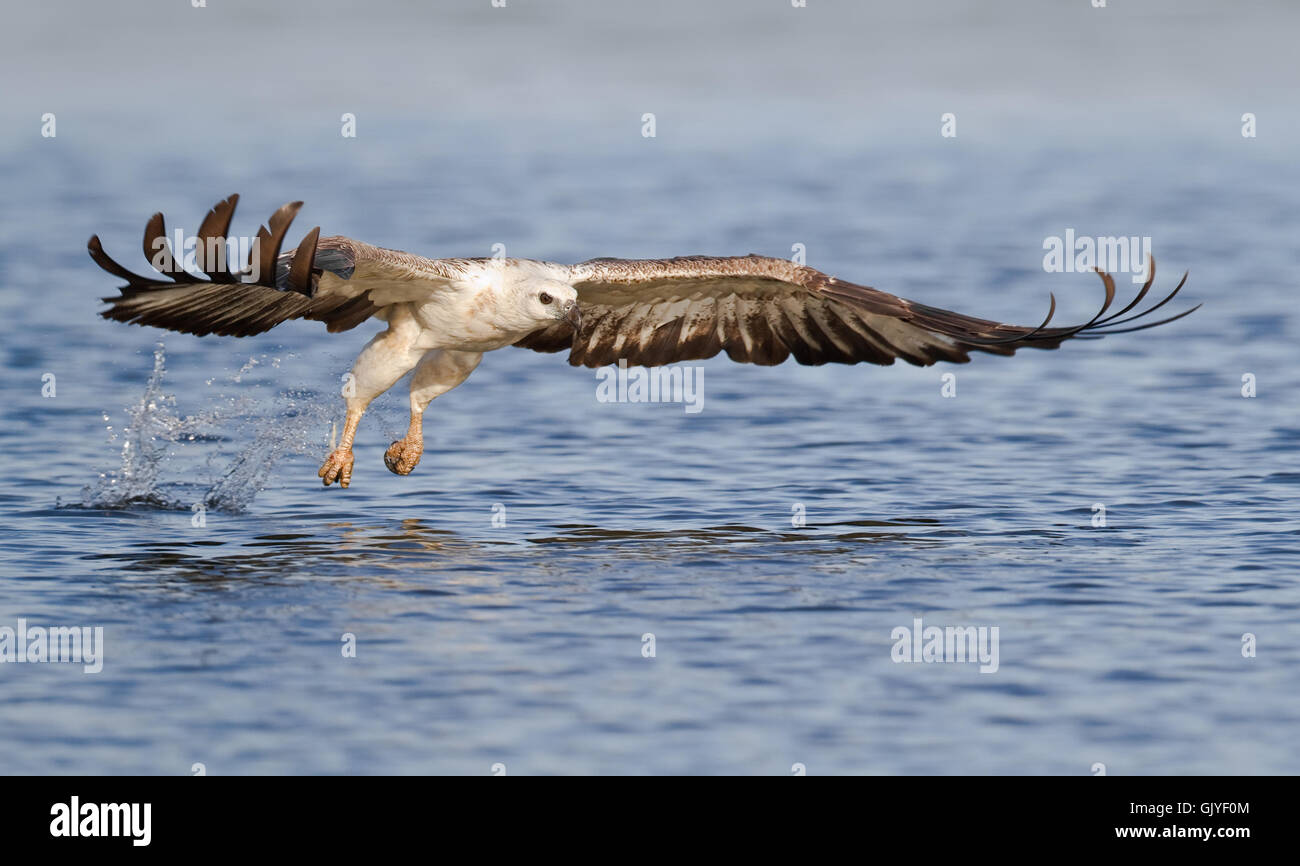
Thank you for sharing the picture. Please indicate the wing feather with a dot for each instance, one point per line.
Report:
(763, 310)
(337, 280)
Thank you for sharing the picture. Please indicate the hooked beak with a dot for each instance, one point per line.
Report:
(573, 315)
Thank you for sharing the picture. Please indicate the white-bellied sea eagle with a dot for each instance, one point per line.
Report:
(443, 314)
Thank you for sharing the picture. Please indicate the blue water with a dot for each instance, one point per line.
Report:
(521, 643)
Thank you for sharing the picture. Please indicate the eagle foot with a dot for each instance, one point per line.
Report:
(403, 455)
(337, 467)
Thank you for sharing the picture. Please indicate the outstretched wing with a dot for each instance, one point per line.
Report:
(763, 310)
(336, 280)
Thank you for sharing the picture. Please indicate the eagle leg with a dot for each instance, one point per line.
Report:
(438, 372)
(388, 356)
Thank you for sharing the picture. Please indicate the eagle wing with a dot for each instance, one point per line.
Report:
(336, 280)
(762, 310)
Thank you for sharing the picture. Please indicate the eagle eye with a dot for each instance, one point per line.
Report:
(545, 298)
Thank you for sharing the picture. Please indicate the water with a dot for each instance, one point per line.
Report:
(168, 492)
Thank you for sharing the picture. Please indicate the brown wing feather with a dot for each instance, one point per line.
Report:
(286, 287)
(763, 310)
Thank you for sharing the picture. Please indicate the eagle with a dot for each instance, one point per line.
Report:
(443, 314)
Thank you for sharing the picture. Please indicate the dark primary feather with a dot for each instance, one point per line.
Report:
(212, 236)
(223, 304)
(762, 311)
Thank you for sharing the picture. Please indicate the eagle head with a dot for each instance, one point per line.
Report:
(551, 300)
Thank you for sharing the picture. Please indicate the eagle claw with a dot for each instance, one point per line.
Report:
(403, 455)
(337, 466)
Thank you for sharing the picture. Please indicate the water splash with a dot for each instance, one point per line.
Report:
(155, 429)
(289, 433)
